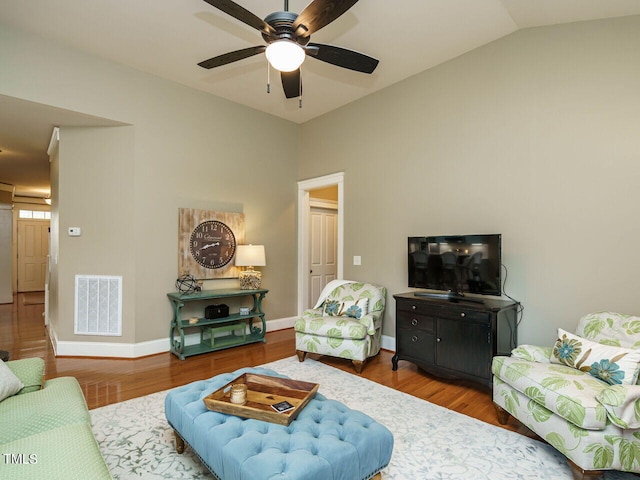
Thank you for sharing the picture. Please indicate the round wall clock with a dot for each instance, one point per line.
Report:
(212, 244)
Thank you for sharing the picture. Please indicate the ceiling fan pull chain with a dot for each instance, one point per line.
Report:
(300, 90)
(268, 78)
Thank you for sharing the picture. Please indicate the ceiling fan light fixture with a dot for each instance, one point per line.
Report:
(285, 55)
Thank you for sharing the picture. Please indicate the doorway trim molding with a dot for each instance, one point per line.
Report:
(304, 206)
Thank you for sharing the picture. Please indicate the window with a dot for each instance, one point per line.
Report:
(35, 214)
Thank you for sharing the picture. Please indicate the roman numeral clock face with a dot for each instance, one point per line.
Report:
(212, 244)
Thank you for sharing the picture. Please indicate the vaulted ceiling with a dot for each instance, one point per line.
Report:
(168, 38)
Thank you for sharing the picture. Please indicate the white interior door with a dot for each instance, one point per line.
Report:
(323, 251)
(33, 248)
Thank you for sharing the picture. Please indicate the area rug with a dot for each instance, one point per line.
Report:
(431, 442)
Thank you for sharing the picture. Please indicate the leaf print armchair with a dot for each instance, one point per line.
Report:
(581, 395)
(348, 324)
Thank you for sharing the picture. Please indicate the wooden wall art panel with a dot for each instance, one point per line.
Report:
(189, 220)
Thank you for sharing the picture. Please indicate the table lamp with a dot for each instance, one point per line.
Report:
(250, 256)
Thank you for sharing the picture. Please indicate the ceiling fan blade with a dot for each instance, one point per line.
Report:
(343, 58)
(232, 57)
(242, 14)
(318, 14)
(291, 83)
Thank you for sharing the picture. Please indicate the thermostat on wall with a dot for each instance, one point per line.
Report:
(75, 231)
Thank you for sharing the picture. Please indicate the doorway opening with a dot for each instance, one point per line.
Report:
(328, 227)
(33, 250)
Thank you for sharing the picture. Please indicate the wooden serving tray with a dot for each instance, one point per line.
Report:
(262, 392)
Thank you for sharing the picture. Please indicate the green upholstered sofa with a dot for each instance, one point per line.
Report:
(45, 429)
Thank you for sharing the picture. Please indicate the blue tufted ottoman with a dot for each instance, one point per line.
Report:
(328, 441)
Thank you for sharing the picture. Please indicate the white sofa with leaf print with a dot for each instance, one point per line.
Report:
(580, 395)
(348, 324)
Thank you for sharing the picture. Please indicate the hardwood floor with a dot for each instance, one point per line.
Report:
(109, 380)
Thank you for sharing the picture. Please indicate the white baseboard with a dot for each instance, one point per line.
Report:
(281, 324)
(63, 348)
(388, 343)
(161, 345)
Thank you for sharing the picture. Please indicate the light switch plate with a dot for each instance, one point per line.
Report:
(357, 260)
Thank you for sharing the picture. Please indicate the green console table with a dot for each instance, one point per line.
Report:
(232, 324)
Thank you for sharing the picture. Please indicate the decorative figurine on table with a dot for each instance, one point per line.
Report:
(187, 284)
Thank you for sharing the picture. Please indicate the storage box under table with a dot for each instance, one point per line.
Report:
(231, 332)
(327, 441)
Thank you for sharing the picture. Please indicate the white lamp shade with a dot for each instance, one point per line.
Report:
(285, 55)
(250, 256)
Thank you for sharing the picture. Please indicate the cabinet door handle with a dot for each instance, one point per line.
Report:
(413, 307)
(438, 339)
(462, 314)
(414, 339)
(414, 322)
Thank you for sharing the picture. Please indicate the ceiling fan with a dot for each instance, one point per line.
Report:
(288, 36)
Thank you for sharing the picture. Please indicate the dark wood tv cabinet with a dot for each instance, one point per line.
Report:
(454, 339)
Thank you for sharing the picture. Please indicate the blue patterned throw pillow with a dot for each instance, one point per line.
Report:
(611, 364)
(346, 308)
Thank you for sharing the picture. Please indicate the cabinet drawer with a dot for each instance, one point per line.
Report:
(417, 344)
(415, 306)
(462, 314)
(412, 321)
(449, 310)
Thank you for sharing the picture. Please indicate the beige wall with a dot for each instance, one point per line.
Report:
(534, 136)
(96, 190)
(124, 185)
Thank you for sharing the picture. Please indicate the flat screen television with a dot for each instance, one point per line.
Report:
(456, 263)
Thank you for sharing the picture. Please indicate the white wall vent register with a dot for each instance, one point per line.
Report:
(98, 305)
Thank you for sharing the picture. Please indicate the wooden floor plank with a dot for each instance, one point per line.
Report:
(110, 380)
